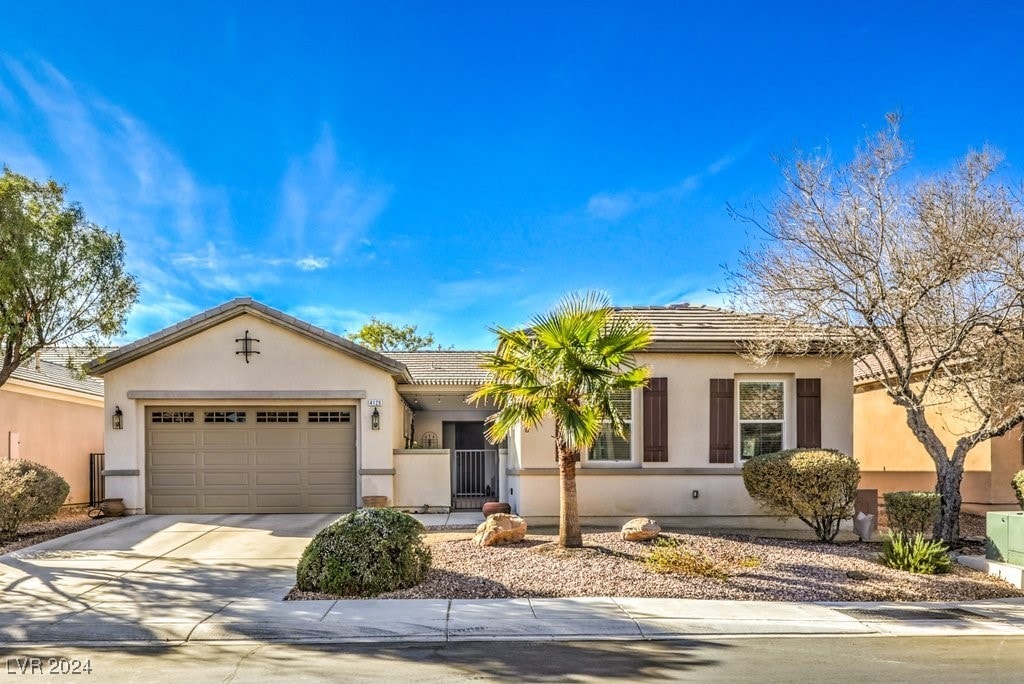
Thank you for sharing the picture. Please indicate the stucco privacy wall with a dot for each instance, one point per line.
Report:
(57, 429)
(290, 369)
(423, 478)
(892, 459)
(665, 490)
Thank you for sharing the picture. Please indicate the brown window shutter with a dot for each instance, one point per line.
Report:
(808, 413)
(722, 427)
(656, 421)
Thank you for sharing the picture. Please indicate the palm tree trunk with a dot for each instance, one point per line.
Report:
(569, 533)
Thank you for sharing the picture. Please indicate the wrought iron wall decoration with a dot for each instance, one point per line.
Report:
(247, 349)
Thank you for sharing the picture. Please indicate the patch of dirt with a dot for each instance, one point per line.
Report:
(68, 520)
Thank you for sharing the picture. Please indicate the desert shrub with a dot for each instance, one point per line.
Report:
(912, 513)
(29, 492)
(915, 554)
(668, 557)
(1018, 487)
(365, 553)
(818, 486)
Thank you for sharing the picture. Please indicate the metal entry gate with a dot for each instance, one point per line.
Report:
(475, 478)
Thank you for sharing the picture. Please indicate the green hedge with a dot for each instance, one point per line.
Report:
(912, 513)
(28, 492)
(818, 486)
(365, 553)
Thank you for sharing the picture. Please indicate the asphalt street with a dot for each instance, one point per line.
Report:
(992, 659)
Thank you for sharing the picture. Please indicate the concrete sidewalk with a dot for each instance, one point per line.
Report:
(222, 578)
(356, 621)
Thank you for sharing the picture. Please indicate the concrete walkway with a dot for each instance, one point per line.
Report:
(221, 578)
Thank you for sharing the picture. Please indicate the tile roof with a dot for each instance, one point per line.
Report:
(682, 327)
(678, 327)
(443, 367)
(52, 371)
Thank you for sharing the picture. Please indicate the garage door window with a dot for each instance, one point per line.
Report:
(329, 416)
(277, 416)
(174, 417)
(224, 417)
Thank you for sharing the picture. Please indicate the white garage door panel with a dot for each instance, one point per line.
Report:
(250, 460)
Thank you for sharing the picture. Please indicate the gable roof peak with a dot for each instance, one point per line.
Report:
(226, 312)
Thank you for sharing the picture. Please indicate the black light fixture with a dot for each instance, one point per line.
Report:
(375, 419)
(117, 420)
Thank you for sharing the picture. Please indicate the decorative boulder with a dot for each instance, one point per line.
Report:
(640, 529)
(500, 528)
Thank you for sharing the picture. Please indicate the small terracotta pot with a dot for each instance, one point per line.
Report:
(375, 502)
(492, 507)
(114, 508)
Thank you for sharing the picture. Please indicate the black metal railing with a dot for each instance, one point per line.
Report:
(96, 493)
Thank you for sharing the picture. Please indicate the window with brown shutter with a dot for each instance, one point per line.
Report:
(808, 413)
(722, 425)
(656, 421)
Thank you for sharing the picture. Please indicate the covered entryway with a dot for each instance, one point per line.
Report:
(474, 465)
(246, 459)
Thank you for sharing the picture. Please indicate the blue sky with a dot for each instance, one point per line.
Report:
(458, 165)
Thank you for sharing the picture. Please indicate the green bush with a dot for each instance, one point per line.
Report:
(668, 557)
(915, 555)
(365, 553)
(912, 513)
(28, 492)
(1018, 487)
(818, 486)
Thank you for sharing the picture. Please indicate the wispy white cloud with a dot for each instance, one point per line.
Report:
(131, 181)
(312, 263)
(612, 206)
(325, 203)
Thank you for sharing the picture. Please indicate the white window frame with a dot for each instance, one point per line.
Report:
(635, 448)
(788, 412)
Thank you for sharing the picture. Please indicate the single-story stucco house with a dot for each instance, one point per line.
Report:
(51, 415)
(243, 408)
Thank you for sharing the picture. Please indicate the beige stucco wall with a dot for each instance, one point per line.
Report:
(892, 459)
(423, 478)
(611, 492)
(287, 362)
(55, 428)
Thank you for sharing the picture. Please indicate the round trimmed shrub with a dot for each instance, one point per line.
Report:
(29, 492)
(911, 513)
(365, 553)
(818, 486)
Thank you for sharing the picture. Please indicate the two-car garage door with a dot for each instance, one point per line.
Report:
(250, 459)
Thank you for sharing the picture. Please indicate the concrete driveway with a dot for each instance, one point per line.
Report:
(156, 567)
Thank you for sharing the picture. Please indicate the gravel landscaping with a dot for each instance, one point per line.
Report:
(764, 569)
(67, 521)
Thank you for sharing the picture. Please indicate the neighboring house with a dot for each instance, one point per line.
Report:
(245, 409)
(51, 415)
(892, 459)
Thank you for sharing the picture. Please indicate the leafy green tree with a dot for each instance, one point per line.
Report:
(383, 336)
(568, 365)
(62, 278)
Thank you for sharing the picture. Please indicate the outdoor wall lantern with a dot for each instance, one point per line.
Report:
(375, 419)
(117, 420)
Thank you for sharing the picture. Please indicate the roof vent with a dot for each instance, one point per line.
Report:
(680, 305)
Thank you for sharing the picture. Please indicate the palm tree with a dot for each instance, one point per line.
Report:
(568, 365)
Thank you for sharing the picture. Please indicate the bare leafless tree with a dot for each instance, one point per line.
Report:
(920, 279)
